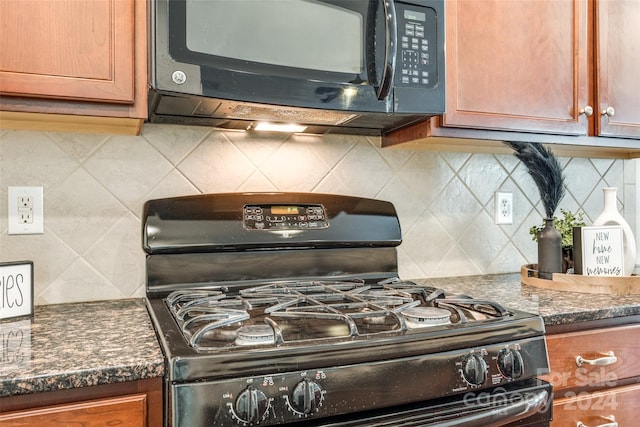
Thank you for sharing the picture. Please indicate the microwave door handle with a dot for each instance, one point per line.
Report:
(389, 65)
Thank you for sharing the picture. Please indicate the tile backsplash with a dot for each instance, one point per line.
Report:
(95, 186)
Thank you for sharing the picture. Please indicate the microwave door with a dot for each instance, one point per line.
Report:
(324, 54)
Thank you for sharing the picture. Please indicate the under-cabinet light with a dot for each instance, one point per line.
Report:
(279, 127)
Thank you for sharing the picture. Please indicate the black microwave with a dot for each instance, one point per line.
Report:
(345, 66)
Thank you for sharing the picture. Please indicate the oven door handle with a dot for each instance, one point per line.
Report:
(531, 404)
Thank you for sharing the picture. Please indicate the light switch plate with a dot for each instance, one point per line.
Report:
(25, 210)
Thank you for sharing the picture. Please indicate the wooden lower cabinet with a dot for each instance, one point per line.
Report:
(618, 404)
(596, 376)
(125, 411)
(134, 404)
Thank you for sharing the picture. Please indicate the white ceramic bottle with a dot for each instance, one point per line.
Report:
(611, 216)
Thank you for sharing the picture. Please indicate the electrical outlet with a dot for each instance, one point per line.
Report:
(25, 210)
(504, 207)
(25, 202)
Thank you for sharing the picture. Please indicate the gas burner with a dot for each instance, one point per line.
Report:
(420, 317)
(255, 335)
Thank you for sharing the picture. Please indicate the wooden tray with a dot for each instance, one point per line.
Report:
(628, 285)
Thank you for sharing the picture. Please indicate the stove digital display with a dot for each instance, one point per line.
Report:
(284, 217)
(285, 210)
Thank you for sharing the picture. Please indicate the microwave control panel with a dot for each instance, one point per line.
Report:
(284, 217)
(417, 42)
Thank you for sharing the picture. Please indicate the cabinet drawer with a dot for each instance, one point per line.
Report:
(594, 409)
(124, 411)
(623, 342)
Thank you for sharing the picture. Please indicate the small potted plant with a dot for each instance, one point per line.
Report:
(565, 226)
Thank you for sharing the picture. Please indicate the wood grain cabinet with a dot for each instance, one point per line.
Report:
(548, 66)
(121, 411)
(596, 376)
(130, 404)
(83, 58)
(617, 64)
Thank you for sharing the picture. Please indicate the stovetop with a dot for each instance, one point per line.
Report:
(211, 333)
(306, 312)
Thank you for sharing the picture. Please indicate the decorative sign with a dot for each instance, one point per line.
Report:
(599, 250)
(16, 289)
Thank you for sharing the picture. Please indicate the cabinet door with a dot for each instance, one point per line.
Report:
(129, 411)
(517, 65)
(618, 62)
(68, 49)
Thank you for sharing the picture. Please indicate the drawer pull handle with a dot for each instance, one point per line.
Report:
(612, 422)
(609, 359)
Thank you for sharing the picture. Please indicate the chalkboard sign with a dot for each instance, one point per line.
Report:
(598, 250)
(16, 289)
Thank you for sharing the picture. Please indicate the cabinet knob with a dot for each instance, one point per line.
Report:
(610, 111)
(587, 111)
(608, 359)
(612, 422)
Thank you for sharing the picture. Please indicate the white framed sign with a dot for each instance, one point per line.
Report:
(599, 250)
(16, 289)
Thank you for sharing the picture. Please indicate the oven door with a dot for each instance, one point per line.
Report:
(526, 403)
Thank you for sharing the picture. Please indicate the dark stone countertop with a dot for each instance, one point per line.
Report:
(555, 307)
(76, 345)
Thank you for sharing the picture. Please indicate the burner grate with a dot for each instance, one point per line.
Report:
(296, 311)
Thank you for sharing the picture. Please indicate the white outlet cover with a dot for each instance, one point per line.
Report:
(35, 227)
(503, 207)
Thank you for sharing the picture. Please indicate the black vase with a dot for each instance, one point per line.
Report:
(549, 250)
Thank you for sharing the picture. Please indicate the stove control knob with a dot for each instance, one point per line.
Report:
(474, 369)
(251, 405)
(510, 363)
(306, 397)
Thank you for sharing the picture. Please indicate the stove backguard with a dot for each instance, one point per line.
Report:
(241, 238)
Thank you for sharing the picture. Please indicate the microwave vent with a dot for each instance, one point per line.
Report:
(227, 114)
(284, 114)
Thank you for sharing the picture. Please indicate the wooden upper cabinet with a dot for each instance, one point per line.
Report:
(517, 65)
(68, 49)
(540, 71)
(73, 65)
(618, 67)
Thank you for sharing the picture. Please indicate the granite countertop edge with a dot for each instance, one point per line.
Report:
(85, 378)
(586, 316)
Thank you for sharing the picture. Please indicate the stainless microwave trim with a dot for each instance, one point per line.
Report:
(176, 96)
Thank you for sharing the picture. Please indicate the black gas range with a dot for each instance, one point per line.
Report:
(276, 308)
